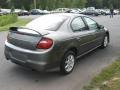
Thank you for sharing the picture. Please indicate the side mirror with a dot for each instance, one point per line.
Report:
(100, 26)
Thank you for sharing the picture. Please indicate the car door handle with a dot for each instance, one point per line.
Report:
(93, 34)
(78, 38)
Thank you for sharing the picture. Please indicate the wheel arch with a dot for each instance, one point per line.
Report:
(107, 33)
(74, 49)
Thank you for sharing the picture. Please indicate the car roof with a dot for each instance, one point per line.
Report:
(68, 14)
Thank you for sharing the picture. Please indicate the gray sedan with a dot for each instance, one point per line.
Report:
(55, 40)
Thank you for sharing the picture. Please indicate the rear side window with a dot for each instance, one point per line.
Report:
(78, 24)
(91, 23)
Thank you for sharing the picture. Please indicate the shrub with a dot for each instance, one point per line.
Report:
(8, 19)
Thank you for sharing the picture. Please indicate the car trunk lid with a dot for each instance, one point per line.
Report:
(25, 37)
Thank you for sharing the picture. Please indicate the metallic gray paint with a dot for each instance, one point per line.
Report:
(64, 39)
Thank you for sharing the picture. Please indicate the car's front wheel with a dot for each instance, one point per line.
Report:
(105, 42)
(68, 62)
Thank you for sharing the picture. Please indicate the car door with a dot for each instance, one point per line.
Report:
(96, 32)
(82, 35)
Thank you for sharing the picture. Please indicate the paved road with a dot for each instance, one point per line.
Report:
(14, 77)
(29, 17)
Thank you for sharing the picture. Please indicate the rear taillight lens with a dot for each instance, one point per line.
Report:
(45, 43)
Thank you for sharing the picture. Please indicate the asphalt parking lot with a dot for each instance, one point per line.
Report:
(29, 17)
(14, 77)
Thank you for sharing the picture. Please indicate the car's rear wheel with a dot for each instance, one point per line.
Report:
(68, 63)
(105, 42)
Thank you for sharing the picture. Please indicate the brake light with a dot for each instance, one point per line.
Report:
(45, 43)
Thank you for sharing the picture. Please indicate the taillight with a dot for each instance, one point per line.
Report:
(45, 43)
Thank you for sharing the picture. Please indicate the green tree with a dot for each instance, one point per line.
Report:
(53, 4)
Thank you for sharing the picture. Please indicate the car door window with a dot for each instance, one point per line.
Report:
(91, 23)
(78, 24)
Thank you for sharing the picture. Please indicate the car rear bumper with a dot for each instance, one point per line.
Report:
(40, 61)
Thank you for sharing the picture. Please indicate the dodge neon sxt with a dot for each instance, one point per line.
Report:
(54, 40)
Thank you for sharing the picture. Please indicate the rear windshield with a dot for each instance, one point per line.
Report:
(47, 22)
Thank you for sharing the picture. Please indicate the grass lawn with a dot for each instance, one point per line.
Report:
(108, 79)
(20, 22)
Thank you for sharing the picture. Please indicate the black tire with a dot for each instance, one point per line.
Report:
(63, 64)
(105, 42)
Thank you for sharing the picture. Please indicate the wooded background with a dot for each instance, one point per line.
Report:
(53, 4)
